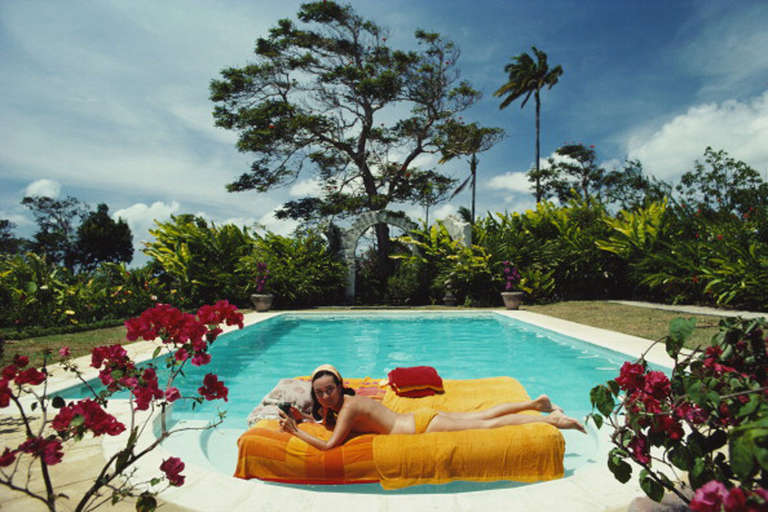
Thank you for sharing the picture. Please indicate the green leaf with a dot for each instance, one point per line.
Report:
(696, 444)
(749, 407)
(651, 487)
(596, 418)
(696, 392)
(156, 352)
(602, 399)
(146, 503)
(716, 440)
(741, 453)
(620, 469)
(681, 457)
(681, 329)
(699, 474)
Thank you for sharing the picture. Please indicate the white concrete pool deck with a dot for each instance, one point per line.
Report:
(591, 487)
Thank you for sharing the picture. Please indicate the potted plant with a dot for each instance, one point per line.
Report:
(261, 301)
(512, 297)
(449, 299)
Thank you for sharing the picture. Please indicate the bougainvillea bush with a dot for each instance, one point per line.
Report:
(705, 427)
(52, 424)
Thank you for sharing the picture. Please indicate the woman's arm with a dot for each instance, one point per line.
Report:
(339, 435)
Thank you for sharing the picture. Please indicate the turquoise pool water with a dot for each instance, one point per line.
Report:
(460, 346)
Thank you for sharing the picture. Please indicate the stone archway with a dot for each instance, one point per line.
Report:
(350, 237)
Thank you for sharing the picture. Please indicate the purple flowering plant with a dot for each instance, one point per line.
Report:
(262, 273)
(511, 275)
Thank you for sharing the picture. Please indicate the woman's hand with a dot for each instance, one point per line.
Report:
(287, 424)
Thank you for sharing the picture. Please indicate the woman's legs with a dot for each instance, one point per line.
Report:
(541, 404)
(451, 422)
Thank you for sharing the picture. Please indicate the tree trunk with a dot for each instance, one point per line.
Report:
(382, 241)
(538, 129)
(473, 167)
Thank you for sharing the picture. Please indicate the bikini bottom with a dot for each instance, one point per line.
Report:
(421, 419)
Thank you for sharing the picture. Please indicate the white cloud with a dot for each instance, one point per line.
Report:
(740, 128)
(44, 187)
(141, 218)
(444, 210)
(513, 181)
(278, 226)
(304, 188)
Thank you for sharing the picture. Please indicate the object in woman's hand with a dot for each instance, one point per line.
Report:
(289, 409)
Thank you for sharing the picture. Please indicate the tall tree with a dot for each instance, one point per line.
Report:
(630, 188)
(527, 77)
(100, 238)
(469, 140)
(321, 98)
(9, 244)
(574, 175)
(56, 220)
(724, 186)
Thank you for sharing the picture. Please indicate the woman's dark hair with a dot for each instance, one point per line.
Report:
(330, 418)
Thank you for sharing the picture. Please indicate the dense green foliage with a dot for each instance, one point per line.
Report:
(37, 292)
(100, 238)
(203, 263)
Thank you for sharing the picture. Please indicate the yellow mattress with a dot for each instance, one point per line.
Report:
(522, 453)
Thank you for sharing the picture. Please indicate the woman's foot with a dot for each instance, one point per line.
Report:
(561, 421)
(544, 404)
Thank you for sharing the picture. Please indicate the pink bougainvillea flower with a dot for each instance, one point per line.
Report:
(5, 393)
(212, 388)
(95, 419)
(20, 361)
(201, 359)
(639, 447)
(64, 351)
(631, 376)
(30, 376)
(709, 497)
(735, 500)
(181, 355)
(10, 371)
(172, 394)
(657, 385)
(172, 467)
(47, 449)
(7, 458)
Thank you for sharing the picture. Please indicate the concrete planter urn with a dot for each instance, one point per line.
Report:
(262, 301)
(449, 299)
(512, 300)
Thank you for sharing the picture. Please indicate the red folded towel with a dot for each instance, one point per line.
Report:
(415, 381)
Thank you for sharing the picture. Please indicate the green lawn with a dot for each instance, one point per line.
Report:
(644, 322)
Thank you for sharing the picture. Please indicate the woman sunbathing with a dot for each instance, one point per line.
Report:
(344, 413)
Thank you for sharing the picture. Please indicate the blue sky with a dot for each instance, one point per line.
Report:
(108, 101)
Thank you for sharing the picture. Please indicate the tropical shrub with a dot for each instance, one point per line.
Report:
(446, 264)
(710, 419)
(559, 243)
(35, 292)
(201, 259)
(302, 269)
(186, 338)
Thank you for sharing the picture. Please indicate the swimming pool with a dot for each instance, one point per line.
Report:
(252, 360)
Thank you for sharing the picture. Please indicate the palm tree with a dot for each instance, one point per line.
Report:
(527, 77)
